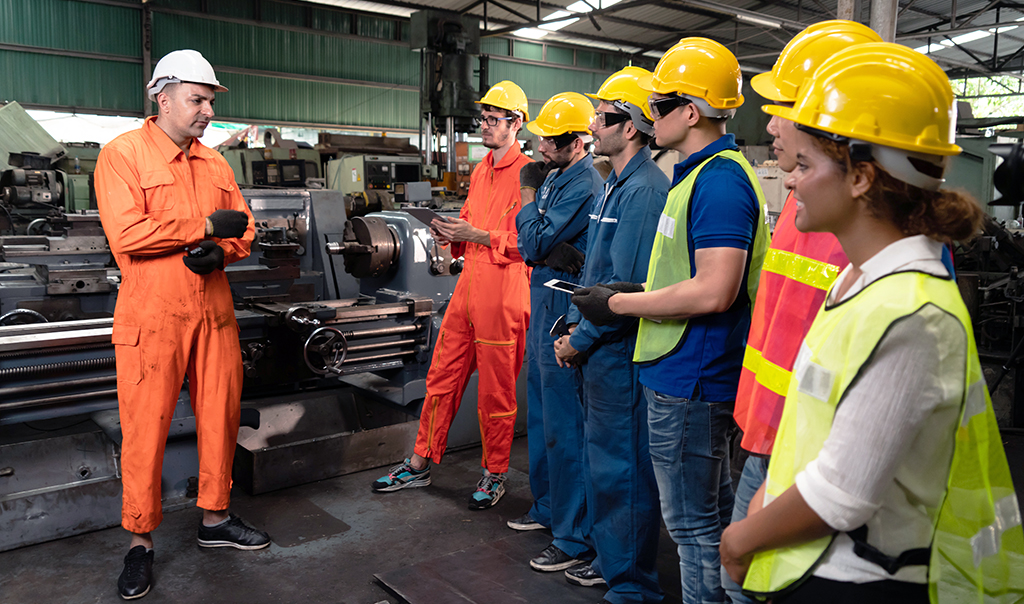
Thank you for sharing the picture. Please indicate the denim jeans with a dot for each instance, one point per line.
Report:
(690, 453)
(754, 473)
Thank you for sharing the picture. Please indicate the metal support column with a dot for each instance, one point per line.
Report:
(883, 18)
(147, 58)
(845, 10)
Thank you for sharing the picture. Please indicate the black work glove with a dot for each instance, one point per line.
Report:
(624, 287)
(228, 224)
(532, 175)
(205, 258)
(565, 258)
(593, 304)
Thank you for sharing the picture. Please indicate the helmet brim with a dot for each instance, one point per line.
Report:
(764, 85)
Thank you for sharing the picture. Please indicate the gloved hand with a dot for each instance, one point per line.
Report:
(227, 224)
(624, 287)
(205, 258)
(564, 257)
(532, 175)
(593, 304)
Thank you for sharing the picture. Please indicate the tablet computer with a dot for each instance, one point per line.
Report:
(425, 215)
(563, 286)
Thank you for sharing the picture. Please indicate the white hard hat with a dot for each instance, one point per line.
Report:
(182, 66)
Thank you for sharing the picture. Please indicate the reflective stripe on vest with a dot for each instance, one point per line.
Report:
(977, 552)
(767, 373)
(806, 270)
(670, 258)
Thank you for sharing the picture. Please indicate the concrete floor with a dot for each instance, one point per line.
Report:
(330, 538)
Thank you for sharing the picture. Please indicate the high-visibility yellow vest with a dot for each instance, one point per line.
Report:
(670, 258)
(977, 550)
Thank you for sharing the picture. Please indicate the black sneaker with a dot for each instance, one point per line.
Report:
(525, 523)
(553, 559)
(137, 576)
(232, 533)
(584, 575)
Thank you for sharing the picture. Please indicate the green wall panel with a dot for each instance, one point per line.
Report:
(239, 9)
(284, 14)
(70, 82)
(333, 21)
(70, 25)
(541, 82)
(271, 49)
(494, 46)
(279, 99)
(560, 55)
(589, 59)
(527, 50)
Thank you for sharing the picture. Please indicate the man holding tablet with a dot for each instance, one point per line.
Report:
(485, 324)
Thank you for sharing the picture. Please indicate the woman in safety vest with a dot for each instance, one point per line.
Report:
(888, 481)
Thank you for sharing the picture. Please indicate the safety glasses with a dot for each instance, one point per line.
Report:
(560, 141)
(606, 119)
(662, 107)
(490, 120)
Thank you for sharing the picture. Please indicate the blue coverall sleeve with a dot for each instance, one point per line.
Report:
(565, 219)
(630, 253)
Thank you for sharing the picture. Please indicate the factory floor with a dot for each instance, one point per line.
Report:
(330, 539)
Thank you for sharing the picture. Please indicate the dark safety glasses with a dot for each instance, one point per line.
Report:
(606, 119)
(560, 141)
(662, 107)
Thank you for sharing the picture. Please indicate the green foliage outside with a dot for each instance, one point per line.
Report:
(985, 95)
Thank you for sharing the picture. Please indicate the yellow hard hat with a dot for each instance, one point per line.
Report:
(805, 52)
(564, 112)
(622, 86)
(702, 69)
(507, 95)
(880, 93)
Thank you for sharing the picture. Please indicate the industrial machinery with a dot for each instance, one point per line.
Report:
(360, 173)
(337, 320)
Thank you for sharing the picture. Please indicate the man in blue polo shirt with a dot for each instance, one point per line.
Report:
(695, 310)
(552, 235)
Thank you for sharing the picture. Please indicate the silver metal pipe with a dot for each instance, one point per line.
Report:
(380, 345)
(54, 400)
(450, 135)
(375, 357)
(383, 331)
(59, 385)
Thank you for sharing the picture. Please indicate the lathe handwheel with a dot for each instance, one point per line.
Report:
(330, 346)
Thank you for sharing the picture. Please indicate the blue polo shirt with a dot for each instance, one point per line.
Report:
(723, 213)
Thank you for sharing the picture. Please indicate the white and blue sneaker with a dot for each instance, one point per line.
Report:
(488, 491)
(402, 476)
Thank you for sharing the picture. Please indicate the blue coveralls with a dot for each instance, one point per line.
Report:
(622, 494)
(554, 420)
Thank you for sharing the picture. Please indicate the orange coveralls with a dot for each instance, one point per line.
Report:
(169, 321)
(484, 327)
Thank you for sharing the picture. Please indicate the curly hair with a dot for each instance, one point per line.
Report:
(941, 215)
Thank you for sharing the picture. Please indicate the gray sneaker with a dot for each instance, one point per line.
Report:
(402, 476)
(488, 491)
(525, 523)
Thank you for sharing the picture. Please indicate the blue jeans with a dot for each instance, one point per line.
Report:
(690, 452)
(754, 472)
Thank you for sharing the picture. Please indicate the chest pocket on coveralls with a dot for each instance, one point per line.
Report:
(127, 352)
(156, 186)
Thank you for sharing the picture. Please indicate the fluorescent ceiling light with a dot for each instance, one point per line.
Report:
(758, 21)
(965, 38)
(560, 24)
(531, 33)
(583, 7)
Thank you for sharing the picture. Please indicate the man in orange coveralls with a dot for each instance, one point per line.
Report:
(162, 193)
(484, 327)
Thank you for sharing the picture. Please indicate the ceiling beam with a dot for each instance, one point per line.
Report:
(612, 9)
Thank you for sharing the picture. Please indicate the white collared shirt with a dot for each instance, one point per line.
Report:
(885, 463)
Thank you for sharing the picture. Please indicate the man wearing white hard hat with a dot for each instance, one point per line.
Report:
(174, 219)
